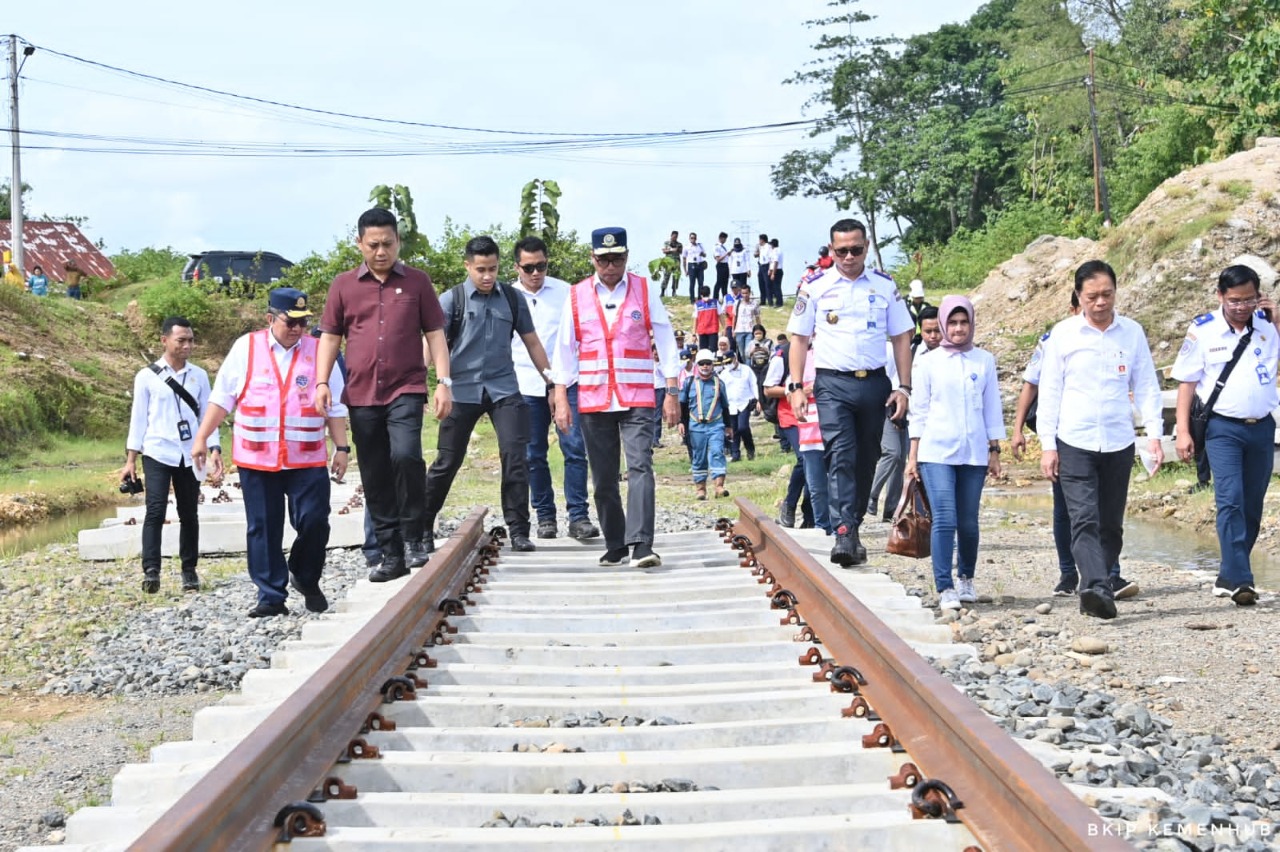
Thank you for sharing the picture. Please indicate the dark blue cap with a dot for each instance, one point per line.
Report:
(609, 241)
(289, 301)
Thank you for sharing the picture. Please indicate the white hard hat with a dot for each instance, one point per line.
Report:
(704, 355)
(917, 289)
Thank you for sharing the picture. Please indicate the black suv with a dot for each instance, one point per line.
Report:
(224, 267)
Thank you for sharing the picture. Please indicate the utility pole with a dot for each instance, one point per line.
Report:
(15, 186)
(1101, 199)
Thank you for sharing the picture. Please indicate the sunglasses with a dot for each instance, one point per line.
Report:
(611, 259)
(300, 322)
(531, 268)
(843, 251)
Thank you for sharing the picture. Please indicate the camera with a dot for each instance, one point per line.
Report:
(131, 485)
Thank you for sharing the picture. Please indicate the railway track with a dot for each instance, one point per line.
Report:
(738, 697)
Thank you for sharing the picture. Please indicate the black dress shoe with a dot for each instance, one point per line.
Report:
(391, 569)
(848, 550)
(521, 543)
(583, 529)
(267, 610)
(415, 554)
(190, 581)
(312, 596)
(150, 583)
(1098, 601)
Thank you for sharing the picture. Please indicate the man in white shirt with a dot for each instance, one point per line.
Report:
(168, 397)
(694, 264)
(721, 252)
(1091, 364)
(775, 273)
(762, 253)
(545, 297)
(604, 346)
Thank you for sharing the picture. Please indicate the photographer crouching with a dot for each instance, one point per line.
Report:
(168, 396)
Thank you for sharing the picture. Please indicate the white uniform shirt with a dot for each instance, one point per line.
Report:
(1250, 390)
(231, 376)
(721, 252)
(153, 422)
(775, 257)
(848, 320)
(955, 406)
(1085, 381)
(1031, 375)
(694, 253)
(739, 262)
(739, 387)
(564, 356)
(546, 307)
(763, 254)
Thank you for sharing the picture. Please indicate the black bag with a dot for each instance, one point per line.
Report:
(769, 408)
(1030, 420)
(458, 309)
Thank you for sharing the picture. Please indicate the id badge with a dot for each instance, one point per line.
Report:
(184, 430)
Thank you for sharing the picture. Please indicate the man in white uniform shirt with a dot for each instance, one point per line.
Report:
(848, 311)
(694, 264)
(1091, 364)
(1239, 434)
(546, 296)
(168, 398)
(607, 326)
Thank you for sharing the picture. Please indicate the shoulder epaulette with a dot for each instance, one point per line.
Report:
(810, 277)
(1043, 337)
(1203, 318)
(882, 274)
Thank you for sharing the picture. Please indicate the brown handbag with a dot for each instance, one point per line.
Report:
(912, 523)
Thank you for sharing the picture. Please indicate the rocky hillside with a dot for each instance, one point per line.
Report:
(1167, 255)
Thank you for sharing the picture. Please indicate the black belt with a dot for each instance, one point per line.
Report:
(857, 374)
(1247, 421)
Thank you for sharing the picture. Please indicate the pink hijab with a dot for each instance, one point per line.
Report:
(951, 304)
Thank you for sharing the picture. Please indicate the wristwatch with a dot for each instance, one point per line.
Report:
(337, 449)
(217, 450)
(792, 387)
(446, 381)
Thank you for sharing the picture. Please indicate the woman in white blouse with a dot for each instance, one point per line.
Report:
(956, 428)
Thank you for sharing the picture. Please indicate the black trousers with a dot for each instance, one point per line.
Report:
(157, 477)
(1095, 486)
(851, 415)
(389, 441)
(696, 273)
(510, 419)
(722, 281)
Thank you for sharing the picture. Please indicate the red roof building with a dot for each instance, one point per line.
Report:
(51, 244)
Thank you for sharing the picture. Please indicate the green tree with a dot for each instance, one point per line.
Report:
(538, 214)
(6, 198)
(844, 71)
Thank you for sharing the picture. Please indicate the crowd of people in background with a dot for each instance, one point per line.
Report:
(867, 388)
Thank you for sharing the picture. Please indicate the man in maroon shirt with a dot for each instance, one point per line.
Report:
(383, 308)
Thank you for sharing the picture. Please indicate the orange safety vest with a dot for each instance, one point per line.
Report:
(277, 425)
(618, 360)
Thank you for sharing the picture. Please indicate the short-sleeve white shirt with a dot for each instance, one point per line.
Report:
(1250, 390)
(849, 320)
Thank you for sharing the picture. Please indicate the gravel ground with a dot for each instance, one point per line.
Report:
(1174, 695)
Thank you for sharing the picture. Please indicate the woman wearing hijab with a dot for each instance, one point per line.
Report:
(956, 428)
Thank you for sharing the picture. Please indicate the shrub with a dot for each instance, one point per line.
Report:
(173, 298)
(135, 266)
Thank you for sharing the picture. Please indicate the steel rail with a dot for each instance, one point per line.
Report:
(289, 754)
(1010, 801)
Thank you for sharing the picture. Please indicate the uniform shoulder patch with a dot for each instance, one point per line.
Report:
(802, 302)
(1203, 318)
(1187, 345)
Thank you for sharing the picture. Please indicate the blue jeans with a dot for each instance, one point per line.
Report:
(815, 479)
(741, 340)
(572, 449)
(954, 490)
(707, 441)
(1241, 456)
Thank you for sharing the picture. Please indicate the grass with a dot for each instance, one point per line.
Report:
(1240, 190)
(69, 471)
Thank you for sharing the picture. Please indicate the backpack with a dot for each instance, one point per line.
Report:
(769, 405)
(457, 309)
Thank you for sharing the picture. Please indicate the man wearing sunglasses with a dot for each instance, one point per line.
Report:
(545, 297)
(606, 326)
(849, 311)
(269, 379)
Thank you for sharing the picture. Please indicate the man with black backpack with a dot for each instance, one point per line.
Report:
(168, 396)
(481, 316)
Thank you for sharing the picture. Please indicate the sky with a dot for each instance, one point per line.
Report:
(553, 68)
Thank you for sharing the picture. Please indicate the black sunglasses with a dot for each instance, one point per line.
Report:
(300, 322)
(843, 251)
(611, 259)
(530, 268)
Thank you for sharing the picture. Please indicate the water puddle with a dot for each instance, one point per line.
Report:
(1145, 539)
(15, 541)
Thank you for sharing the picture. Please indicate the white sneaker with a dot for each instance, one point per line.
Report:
(964, 588)
(949, 599)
